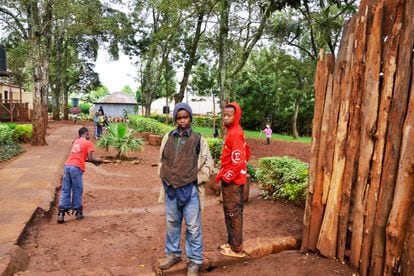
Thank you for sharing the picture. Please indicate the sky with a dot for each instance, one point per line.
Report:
(116, 74)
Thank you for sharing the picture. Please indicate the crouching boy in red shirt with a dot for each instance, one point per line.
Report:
(233, 175)
(72, 182)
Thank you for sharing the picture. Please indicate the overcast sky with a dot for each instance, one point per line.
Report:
(116, 74)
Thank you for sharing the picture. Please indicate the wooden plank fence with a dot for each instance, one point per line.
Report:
(360, 198)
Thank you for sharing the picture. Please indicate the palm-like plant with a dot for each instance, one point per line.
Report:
(121, 138)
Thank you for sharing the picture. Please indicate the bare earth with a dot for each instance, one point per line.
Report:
(124, 226)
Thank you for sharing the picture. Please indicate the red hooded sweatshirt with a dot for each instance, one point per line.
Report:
(235, 152)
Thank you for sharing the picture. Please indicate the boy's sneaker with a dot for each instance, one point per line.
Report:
(79, 215)
(61, 216)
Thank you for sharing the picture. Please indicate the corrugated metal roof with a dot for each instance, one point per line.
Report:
(118, 97)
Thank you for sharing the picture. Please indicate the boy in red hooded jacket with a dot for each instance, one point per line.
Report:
(233, 175)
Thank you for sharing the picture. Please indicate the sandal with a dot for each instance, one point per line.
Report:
(230, 253)
(224, 246)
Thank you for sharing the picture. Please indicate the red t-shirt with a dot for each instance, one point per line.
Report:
(79, 153)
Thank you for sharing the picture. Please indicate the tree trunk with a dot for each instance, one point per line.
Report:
(222, 51)
(40, 38)
(191, 60)
(295, 120)
(56, 92)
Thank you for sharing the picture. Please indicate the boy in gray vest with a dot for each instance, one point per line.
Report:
(185, 165)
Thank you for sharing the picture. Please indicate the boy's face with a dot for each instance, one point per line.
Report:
(228, 116)
(87, 137)
(183, 119)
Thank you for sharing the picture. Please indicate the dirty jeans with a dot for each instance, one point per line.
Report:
(233, 214)
(191, 214)
(72, 188)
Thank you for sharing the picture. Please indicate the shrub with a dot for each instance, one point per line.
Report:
(23, 133)
(85, 108)
(251, 170)
(121, 138)
(283, 178)
(216, 146)
(143, 124)
(198, 121)
(8, 147)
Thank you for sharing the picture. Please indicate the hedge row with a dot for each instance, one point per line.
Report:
(198, 121)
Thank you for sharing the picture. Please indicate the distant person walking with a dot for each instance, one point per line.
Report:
(72, 183)
(216, 132)
(268, 131)
(101, 110)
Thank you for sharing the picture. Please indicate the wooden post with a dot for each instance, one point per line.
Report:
(368, 126)
(393, 140)
(357, 78)
(321, 81)
(328, 234)
(391, 31)
(404, 186)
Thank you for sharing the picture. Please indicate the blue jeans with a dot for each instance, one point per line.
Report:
(72, 188)
(193, 237)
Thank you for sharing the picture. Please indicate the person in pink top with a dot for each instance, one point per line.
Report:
(268, 131)
(72, 183)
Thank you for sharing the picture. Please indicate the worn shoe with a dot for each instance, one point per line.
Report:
(61, 216)
(193, 269)
(79, 215)
(169, 261)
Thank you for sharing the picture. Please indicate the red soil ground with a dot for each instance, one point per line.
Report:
(124, 226)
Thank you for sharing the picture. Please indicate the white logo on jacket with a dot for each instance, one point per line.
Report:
(236, 156)
(228, 175)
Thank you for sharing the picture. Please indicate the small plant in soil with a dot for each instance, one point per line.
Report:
(120, 137)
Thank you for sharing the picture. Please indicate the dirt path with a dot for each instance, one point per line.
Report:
(123, 230)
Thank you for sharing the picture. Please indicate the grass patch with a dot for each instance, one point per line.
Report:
(208, 132)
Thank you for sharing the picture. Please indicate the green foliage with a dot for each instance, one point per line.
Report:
(23, 133)
(121, 138)
(96, 94)
(252, 171)
(216, 146)
(85, 107)
(8, 147)
(283, 178)
(268, 87)
(144, 124)
(198, 121)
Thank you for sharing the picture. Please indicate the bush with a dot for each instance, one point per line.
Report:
(251, 170)
(6, 134)
(143, 124)
(23, 133)
(198, 121)
(85, 108)
(8, 147)
(216, 146)
(283, 178)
